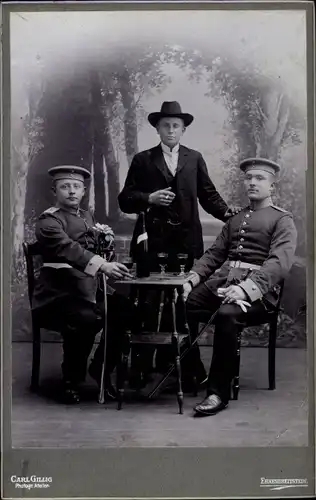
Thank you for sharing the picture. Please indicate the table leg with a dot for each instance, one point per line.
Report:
(175, 344)
(123, 368)
(161, 308)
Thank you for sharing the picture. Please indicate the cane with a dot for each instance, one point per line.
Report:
(184, 353)
(103, 375)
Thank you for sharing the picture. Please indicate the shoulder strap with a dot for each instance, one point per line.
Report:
(279, 208)
(51, 210)
(56, 211)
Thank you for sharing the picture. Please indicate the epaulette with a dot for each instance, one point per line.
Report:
(51, 210)
(279, 208)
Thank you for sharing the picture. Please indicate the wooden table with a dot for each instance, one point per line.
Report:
(170, 285)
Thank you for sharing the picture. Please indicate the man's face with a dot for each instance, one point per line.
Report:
(170, 130)
(259, 184)
(69, 192)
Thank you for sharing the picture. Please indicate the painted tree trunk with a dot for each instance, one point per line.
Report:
(130, 117)
(97, 155)
(112, 168)
(18, 194)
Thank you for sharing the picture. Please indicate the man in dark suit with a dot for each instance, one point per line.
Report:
(167, 182)
(253, 253)
(66, 292)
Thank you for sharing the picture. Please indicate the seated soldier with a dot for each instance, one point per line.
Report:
(66, 291)
(254, 252)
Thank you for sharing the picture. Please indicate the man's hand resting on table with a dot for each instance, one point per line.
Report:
(115, 270)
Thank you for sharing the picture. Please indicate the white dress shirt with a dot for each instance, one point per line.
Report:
(171, 157)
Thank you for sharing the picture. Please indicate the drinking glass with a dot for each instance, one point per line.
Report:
(162, 261)
(182, 258)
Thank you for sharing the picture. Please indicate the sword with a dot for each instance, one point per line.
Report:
(103, 375)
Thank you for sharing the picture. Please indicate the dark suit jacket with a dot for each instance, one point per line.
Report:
(148, 173)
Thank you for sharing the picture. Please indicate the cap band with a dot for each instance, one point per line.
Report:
(266, 168)
(65, 175)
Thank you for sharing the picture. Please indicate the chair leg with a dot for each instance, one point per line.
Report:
(36, 357)
(122, 369)
(272, 346)
(237, 370)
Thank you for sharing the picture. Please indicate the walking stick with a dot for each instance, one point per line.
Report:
(103, 375)
(184, 353)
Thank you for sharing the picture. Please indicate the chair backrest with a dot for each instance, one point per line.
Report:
(31, 250)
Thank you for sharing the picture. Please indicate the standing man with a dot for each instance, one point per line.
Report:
(254, 252)
(65, 295)
(166, 182)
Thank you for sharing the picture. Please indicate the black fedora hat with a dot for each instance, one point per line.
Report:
(170, 109)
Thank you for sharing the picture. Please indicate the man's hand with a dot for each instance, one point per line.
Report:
(163, 197)
(231, 294)
(232, 211)
(187, 288)
(115, 270)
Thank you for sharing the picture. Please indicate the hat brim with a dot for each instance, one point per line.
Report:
(64, 171)
(260, 164)
(154, 118)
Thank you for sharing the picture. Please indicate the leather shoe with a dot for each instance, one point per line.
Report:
(70, 393)
(210, 405)
(95, 372)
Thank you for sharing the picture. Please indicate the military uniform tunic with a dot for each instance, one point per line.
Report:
(68, 244)
(264, 238)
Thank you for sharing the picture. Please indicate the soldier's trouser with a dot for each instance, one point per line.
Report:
(79, 321)
(229, 321)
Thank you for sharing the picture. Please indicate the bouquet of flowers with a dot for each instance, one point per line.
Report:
(104, 241)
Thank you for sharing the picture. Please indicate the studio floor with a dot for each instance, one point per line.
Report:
(259, 418)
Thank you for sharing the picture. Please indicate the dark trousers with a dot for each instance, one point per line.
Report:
(79, 321)
(229, 321)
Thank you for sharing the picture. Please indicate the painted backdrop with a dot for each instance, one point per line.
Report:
(82, 96)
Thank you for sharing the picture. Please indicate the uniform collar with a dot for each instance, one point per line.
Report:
(74, 211)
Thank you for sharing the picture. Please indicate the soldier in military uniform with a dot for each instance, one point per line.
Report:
(252, 254)
(66, 295)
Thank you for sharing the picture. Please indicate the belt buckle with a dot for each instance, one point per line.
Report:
(238, 264)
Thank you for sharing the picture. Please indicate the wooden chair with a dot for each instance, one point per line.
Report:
(31, 252)
(272, 320)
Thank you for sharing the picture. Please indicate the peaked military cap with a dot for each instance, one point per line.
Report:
(260, 164)
(69, 172)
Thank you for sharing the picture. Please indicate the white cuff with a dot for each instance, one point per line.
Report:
(94, 265)
(251, 289)
(194, 278)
